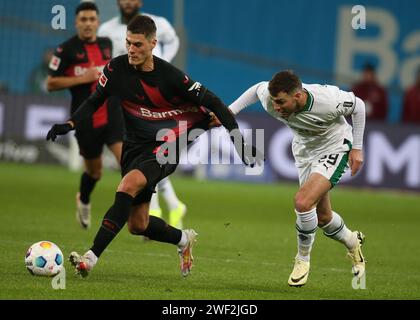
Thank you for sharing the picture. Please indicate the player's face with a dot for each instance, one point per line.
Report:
(87, 24)
(285, 104)
(139, 48)
(129, 8)
(369, 76)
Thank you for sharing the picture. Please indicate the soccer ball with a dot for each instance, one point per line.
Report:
(44, 258)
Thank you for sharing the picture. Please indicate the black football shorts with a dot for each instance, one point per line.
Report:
(92, 140)
(143, 158)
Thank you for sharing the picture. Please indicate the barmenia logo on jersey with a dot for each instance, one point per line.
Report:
(103, 80)
(55, 63)
(146, 113)
(79, 70)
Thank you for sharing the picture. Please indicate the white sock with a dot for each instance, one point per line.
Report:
(184, 240)
(168, 192)
(306, 225)
(92, 257)
(154, 202)
(337, 230)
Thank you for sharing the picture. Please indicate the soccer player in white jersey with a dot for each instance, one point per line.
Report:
(116, 28)
(323, 146)
(166, 48)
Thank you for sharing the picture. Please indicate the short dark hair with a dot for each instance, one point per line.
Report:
(142, 24)
(284, 81)
(87, 6)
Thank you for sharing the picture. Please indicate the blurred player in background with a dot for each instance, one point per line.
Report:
(373, 94)
(155, 96)
(411, 102)
(323, 146)
(166, 49)
(76, 65)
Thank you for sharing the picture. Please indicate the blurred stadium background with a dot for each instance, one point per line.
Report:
(228, 46)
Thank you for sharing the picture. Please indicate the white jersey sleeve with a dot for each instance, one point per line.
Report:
(102, 30)
(359, 121)
(248, 98)
(116, 31)
(167, 38)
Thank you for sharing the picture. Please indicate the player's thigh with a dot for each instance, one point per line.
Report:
(142, 158)
(132, 183)
(311, 192)
(317, 176)
(332, 166)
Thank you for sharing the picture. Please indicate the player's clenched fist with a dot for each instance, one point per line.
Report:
(58, 130)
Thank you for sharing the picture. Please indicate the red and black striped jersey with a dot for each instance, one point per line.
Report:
(165, 98)
(71, 59)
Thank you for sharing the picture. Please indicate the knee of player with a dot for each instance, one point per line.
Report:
(94, 173)
(97, 175)
(132, 188)
(303, 203)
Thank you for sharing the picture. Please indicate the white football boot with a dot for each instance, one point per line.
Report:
(83, 264)
(356, 255)
(300, 273)
(185, 253)
(82, 213)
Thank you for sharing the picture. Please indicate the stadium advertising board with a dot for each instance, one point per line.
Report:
(392, 152)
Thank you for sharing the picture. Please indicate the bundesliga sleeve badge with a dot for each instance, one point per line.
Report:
(54, 63)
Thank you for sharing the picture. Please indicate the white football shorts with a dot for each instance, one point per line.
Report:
(331, 166)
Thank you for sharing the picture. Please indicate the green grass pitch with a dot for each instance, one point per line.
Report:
(245, 247)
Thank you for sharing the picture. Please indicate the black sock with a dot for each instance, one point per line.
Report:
(159, 230)
(87, 184)
(114, 220)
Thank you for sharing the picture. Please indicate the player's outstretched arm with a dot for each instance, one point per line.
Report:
(58, 83)
(86, 109)
(59, 129)
(248, 153)
(248, 98)
(359, 120)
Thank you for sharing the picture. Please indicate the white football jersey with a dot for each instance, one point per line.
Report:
(168, 41)
(319, 128)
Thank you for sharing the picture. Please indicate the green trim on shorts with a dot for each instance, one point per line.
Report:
(347, 142)
(338, 173)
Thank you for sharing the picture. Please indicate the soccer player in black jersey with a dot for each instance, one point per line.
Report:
(154, 95)
(77, 65)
